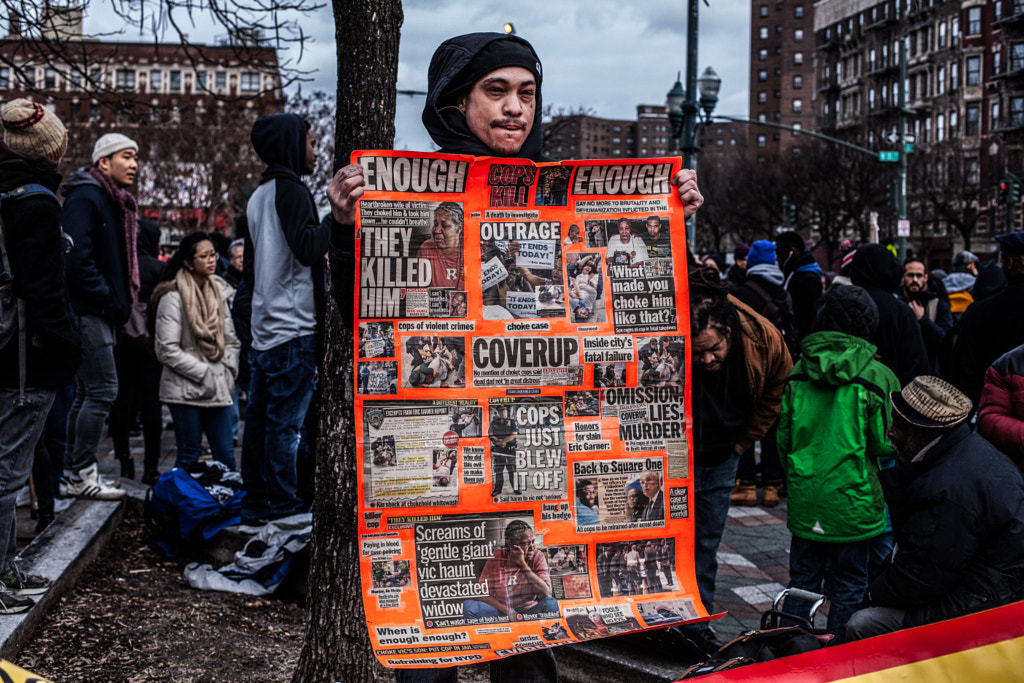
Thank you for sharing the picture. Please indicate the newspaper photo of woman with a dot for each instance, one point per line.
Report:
(586, 288)
(444, 248)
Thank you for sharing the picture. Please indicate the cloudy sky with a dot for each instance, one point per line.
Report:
(605, 55)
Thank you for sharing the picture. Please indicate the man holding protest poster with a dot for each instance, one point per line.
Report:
(484, 99)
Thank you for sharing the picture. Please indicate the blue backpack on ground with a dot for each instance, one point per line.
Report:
(184, 513)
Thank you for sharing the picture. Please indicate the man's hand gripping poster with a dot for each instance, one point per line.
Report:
(522, 402)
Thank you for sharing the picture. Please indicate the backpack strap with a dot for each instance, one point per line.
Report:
(16, 194)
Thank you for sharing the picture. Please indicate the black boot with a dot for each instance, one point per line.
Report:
(127, 468)
(150, 477)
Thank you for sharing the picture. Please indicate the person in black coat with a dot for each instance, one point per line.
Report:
(463, 118)
(993, 326)
(138, 370)
(35, 141)
(957, 507)
(803, 278)
(898, 337)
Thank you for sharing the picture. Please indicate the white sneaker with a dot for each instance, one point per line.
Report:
(61, 504)
(89, 486)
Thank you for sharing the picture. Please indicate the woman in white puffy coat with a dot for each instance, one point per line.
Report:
(196, 343)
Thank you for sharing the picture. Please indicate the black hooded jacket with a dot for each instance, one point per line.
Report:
(447, 127)
(280, 142)
(35, 249)
(898, 338)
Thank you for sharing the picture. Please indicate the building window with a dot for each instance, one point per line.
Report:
(125, 79)
(762, 97)
(954, 32)
(798, 58)
(972, 123)
(156, 80)
(953, 124)
(972, 171)
(221, 81)
(954, 76)
(50, 79)
(940, 80)
(764, 10)
(871, 98)
(871, 60)
(76, 111)
(762, 55)
(94, 112)
(250, 81)
(973, 21)
(95, 77)
(778, 94)
(175, 81)
(762, 140)
(778, 28)
(798, 82)
(997, 62)
(1016, 56)
(940, 127)
(5, 77)
(798, 35)
(942, 34)
(762, 75)
(763, 33)
(974, 70)
(798, 106)
(200, 80)
(762, 117)
(993, 119)
(1016, 119)
(798, 11)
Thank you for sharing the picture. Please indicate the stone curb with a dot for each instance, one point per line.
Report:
(60, 554)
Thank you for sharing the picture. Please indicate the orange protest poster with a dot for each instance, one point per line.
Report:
(522, 404)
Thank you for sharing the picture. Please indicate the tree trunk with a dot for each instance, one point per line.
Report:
(337, 646)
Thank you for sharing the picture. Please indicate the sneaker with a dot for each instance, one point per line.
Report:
(17, 582)
(13, 604)
(89, 485)
(61, 504)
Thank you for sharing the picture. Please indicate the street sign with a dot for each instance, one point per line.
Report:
(903, 228)
(908, 148)
(894, 137)
(888, 156)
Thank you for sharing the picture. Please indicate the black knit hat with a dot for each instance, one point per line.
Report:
(497, 54)
(848, 309)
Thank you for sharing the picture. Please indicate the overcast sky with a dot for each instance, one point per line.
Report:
(604, 55)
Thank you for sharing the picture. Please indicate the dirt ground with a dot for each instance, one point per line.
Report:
(131, 617)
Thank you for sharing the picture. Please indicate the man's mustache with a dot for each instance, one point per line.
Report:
(501, 123)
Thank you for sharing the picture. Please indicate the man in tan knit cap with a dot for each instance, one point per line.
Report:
(34, 141)
(957, 507)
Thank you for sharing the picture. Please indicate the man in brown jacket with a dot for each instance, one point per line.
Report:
(740, 366)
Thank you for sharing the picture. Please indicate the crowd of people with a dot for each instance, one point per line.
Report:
(892, 421)
(901, 423)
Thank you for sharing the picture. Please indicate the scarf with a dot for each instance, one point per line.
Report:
(129, 209)
(203, 311)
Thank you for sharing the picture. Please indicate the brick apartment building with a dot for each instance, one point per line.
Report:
(184, 105)
(781, 75)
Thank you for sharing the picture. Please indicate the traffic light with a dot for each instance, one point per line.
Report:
(1002, 194)
(893, 195)
(1013, 192)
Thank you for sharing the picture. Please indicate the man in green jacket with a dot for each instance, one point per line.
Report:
(831, 437)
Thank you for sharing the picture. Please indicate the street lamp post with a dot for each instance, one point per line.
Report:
(684, 114)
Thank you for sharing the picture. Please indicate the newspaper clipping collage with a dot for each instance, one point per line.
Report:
(522, 387)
